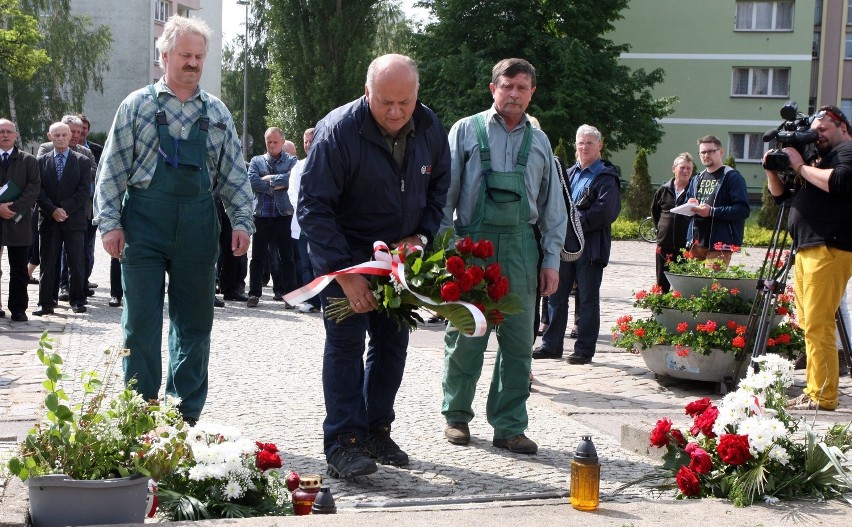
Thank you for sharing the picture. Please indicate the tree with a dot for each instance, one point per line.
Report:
(579, 77)
(320, 50)
(638, 198)
(233, 71)
(19, 36)
(77, 53)
(769, 209)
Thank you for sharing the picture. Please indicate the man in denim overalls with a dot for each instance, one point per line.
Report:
(504, 182)
(155, 210)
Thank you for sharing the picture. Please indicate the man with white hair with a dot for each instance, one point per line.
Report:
(154, 206)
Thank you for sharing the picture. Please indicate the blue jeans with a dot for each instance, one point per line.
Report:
(304, 269)
(359, 394)
(588, 276)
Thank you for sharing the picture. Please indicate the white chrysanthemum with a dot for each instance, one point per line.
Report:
(779, 453)
(758, 381)
(762, 432)
(233, 490)
(779, 367)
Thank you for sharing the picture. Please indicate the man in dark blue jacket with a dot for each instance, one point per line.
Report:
(378, 169)
(594, 185)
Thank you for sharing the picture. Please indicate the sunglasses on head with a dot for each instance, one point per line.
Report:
(831, 115)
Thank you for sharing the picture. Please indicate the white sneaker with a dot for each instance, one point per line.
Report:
(305, 307)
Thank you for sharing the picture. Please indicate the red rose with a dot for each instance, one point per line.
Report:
(733, 449)
(465, 282)
(270, 447)
(455, 266)
(783, 338)
(495, 292)
(480, 306)
(476, 274)
(660, 433)
(698, 406)
(687, 482)
(266, 460)
(677, 435)
(493, 272)
(483, 249)
(704, 422)
(495, 317)
(465, 245)
(450, 292)
(781, 310)
(701, 462)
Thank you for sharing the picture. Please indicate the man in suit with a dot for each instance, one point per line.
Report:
(65, 182)
(19, 187)
(76, 144)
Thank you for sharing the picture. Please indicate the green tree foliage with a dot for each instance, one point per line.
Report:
(259, 75)
(579, 77)
(637, 203)
(768, 213)
(19, 36)
(730, 161)
(320, 50)
(78, 59)
(561, 151)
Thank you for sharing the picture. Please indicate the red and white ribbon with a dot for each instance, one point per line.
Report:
(385, 263)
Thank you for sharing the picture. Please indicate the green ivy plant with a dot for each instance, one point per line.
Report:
(100, 436)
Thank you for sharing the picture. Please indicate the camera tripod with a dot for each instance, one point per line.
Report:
(772, 281)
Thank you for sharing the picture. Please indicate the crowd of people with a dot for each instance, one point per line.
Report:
(173, 197)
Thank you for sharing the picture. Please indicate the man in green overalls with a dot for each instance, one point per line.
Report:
(155, 210)
(504, 182)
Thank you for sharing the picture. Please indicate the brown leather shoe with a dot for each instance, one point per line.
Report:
(519, 444)
(457, 433)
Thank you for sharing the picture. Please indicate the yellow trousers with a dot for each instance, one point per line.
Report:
(821, 276)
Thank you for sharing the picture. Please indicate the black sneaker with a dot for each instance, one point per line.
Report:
(350, 460)
(380, 446)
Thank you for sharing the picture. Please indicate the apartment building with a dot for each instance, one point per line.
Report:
(135, 57)
(732, 64)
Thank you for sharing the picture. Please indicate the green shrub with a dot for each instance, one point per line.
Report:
(624, 229)
(637, 201)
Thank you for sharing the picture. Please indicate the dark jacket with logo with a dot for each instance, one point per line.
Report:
(353, 193)
(598, 208)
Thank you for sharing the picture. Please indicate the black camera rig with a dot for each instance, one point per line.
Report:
(795, 131)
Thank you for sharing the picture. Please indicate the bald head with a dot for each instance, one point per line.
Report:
(290, 147)
(391, 91)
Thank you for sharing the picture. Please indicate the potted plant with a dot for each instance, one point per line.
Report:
(89, 463)
(703, 351)
(689, 275)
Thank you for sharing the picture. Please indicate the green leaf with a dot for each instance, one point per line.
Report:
(51, 402)
(64, 413)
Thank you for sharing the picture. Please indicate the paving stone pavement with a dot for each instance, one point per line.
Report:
(265, 378)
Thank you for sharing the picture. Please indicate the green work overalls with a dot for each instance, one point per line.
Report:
(502, 216)
(171, 227)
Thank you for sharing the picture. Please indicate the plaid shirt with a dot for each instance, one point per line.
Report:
(130, 154)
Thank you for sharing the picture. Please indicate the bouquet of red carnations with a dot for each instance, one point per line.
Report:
(457, 282)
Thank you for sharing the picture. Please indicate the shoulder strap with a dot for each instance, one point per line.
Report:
(524, 153)
(482, 136)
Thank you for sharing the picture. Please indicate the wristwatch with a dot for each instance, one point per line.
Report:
(423, 239)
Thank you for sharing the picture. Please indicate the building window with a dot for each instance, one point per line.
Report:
(764, 16)
(746, 147)
(162, 10)
(156, 52)
(815, 45)
(761, 82)
(818, 13)
(849, 46)
(846, 106)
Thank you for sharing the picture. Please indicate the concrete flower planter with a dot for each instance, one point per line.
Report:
(691, 285)
(719, 366)
(57, 500)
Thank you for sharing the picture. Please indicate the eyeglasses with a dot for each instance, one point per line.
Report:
(831, 115)
(586, 143)
(708, 152)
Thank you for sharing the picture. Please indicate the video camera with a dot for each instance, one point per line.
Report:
(795, 131)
